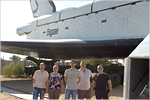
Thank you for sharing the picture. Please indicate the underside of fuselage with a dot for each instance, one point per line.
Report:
(108, 49)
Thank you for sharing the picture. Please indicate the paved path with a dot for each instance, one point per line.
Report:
(18, 93)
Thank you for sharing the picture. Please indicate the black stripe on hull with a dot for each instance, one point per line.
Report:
(110, 49)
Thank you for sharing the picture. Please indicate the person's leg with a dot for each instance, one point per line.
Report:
(42, 92)
(67, 94)
(35, 93)
(88, 94)
(98, 94)
(57, 94)
(81, 94)
(104, 94)
(74, 94)
(51, 93)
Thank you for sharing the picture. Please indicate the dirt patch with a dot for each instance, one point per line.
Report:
(6, 78)
(25, 84)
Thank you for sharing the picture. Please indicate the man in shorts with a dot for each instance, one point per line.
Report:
(84, 87)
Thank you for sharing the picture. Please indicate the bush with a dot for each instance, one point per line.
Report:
(18, 69)
(7, 70)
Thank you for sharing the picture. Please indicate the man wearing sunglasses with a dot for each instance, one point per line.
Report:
(102, 79)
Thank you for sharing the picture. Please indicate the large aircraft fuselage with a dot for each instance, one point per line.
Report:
(99, 20)
(100, 29)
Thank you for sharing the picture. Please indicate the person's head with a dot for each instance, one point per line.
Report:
(82, 65)
(100, 68)
(55, 68)
(72, 63)
(42, 66)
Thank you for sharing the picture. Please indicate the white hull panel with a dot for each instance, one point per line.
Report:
(125, 22)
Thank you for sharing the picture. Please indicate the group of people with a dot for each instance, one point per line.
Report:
(78, 82)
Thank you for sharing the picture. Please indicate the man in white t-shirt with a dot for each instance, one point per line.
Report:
(72, 79)
(84, 87)
(40, 80)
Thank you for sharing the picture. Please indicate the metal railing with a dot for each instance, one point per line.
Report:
(140, 81)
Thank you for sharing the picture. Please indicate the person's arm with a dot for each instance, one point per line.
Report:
(93, 84)
(79, 80)
(62, 86)
(65, 78)
(47, 83)
(34, 79)
(79, 77)
(110, 88)
(33, 83)
(91, 79)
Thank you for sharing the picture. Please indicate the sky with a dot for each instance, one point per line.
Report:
(16, 14)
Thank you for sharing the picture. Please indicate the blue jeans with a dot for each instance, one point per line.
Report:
(37, 91)
(69, 92)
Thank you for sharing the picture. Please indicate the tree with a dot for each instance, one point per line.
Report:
(18, 69)
(14, 57)
(102, 62)
(78, 62)
(7, 70)
(23, 59)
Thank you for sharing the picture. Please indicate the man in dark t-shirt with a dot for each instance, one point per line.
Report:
(102, 79)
